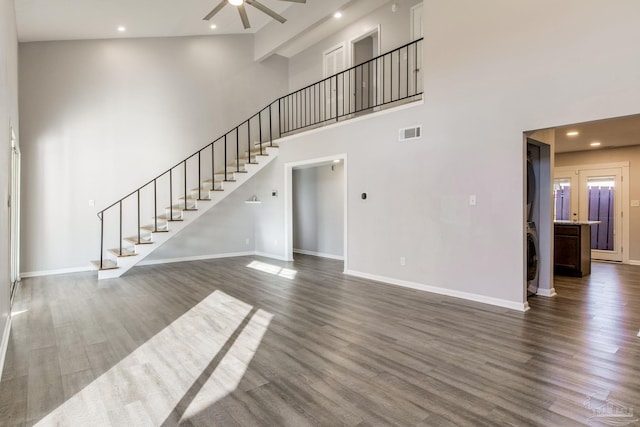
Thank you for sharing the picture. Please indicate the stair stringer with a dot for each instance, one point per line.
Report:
(143, 250)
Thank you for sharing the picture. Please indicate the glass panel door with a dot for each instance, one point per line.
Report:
(562, 199)
(601, 201)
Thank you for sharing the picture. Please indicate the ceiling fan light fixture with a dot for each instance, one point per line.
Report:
(236, 2)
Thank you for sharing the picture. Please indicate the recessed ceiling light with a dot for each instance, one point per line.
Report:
(595, 144)
(235, 2)
(337, 15)
(213, 26)
(573, 133)
(336, 161)
(122, 28)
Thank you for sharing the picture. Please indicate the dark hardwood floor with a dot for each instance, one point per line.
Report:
(252, 341)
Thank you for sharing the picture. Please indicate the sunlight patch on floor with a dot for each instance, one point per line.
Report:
(231, 369)
(147, 386)
(273, 269)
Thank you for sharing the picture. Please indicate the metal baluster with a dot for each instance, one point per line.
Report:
(155, 206)
(138, 216)
(185, 185)
(199, 176)
(213, 167)
(270, 128)
(225, 158)
(120, 227)
(249, 140)
(336, 77)
(260, 127)
(238, 149)
(101, 216)
(170, 194)
(280, 118)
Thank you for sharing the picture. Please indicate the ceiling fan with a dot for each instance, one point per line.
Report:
(239, 4)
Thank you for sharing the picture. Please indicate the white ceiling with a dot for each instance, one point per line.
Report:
(611, 133)
(44, 20)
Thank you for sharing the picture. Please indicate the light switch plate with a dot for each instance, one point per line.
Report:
(472, 200)
(635, 203)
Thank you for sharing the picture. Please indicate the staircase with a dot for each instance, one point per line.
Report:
(137, 224)
(179, 215)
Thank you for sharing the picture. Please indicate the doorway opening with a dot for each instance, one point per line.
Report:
(316, 212)
(538, 227)
(364, 77)
(14, 215)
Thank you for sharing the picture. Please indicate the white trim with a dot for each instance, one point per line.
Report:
(519, 306)
(4, 345)
(288, 200)
(318, 254)
(55, 272)
(547, 292)
(194, 258)
(272, 256)
(375, 30)
(634, 262)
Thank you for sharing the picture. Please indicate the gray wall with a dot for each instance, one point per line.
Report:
(488, 79)
(318, 210)
(8, 117)
(613, 155)
(306, 67)
(102, 117)
(222, 231)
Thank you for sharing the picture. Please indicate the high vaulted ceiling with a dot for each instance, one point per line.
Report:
(307, 23)
(40, 20)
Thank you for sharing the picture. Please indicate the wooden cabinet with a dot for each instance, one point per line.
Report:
(572, 249)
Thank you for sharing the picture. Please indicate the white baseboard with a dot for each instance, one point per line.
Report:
(547, 292)
(634, 262)
(272, 256)
(318, 254)
(55, 272)
(193, 258)
(4, 345)
(520, 306)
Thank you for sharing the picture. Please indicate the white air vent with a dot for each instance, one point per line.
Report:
(414, 132)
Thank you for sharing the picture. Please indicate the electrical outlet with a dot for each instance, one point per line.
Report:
(275, 242)
(403, 261)
(246, 241)
(92, 202)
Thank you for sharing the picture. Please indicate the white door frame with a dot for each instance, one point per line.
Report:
(14, 213)
(368, 33)
(288, 201)
(573, 173)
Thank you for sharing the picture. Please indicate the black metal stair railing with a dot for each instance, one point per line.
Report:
(388, 79)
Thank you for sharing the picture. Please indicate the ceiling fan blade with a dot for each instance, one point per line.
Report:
(296, 1)
(266, 10)
(217, 9)
(243, 15)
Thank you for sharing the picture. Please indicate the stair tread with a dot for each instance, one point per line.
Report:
(125, 252)
(107, 264)
(143, 240)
